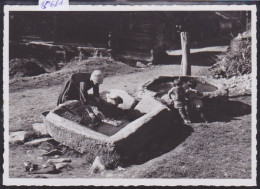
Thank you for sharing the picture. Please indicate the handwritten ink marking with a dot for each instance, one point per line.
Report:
(44, 4)
(52, 3)
(61, 2)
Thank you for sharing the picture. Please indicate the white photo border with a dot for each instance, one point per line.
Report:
(130, 182)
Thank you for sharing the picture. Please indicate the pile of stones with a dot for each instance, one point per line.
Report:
(238, 85)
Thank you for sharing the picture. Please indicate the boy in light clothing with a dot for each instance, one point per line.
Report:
(177, 94)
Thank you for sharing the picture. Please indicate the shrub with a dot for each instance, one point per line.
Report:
(236, 61)
(23, 67)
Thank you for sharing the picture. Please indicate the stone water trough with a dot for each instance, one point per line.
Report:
(159, 87)
(141, 122)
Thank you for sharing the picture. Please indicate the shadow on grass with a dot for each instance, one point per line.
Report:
(220, 110)
(226, 111)
(162, 144)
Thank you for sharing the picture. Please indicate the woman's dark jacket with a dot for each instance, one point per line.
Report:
(76, 88)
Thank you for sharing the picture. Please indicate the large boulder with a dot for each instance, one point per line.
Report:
(148, 104)
(120, 98)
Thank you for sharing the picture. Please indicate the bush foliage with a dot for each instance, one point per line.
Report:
(236, 61)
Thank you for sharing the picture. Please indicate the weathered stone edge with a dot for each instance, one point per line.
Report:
(75, 127)
(76, 141)
(132, 127)
(220, 92)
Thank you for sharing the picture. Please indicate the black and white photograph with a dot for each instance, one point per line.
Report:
(130, 95)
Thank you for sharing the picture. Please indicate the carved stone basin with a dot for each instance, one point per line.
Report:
(158, 87)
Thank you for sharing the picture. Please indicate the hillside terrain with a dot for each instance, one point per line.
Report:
(219, 149)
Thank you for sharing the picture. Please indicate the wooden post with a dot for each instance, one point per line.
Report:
(186, 69)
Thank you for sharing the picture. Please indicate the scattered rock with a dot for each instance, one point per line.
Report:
(52, 153)
(19, 136)
(147, 104)
(29, 166)
(60, 160)
(44, 165)
(238, 85)
(38, 141)
(97, 166)
(60, 166)
(140, 65)
(56, 156)
(29, 152)
(127, 101)
(46, 168)
(40, 128)
(120, 168)
(42, 151)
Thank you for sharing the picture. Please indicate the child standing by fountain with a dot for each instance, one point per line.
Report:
(177, 94)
